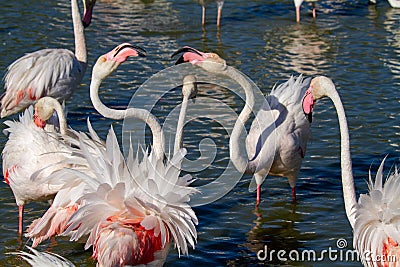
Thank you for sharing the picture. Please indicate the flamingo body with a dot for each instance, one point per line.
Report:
(292, 127)
(30, 149)
(140, 205)
(47, 72)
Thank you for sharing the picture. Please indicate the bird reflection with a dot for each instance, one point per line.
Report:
(306, 48)
(392, 25)
(271, 232)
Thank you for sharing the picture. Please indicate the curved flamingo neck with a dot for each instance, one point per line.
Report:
(80, 42)
(237, 152)
(61, 118)
(142, 114)
(349, 194)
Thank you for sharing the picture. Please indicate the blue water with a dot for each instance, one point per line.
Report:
(356, 45)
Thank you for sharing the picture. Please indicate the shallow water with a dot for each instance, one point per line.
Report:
(356, 45)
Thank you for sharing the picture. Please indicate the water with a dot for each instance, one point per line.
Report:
(356, 45)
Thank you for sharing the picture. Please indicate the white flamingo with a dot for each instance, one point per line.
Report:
(48, 72)
(294, 104)
(375, 217)
(152, 204)
(220, 4)
(31, 153)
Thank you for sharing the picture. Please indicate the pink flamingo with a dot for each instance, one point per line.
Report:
(48, 72)
(128, 222)
(293, 103)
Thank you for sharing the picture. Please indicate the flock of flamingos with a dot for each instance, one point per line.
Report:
(130, 211)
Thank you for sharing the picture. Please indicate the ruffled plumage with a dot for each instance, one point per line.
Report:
(75, 181)
(29, 156)
(136, 195)
(44, 259)
(143, 200)
(377, 225)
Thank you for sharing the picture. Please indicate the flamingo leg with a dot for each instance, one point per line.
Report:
(20, 215)
(203, 15)
(297, 13)
(294, 194)
(258, 195)
(219, 16)
(314, 10)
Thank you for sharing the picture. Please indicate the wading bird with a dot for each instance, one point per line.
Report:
(374, 218)
(31, 154)
(290, 104)
(48, 72)
(139, 205)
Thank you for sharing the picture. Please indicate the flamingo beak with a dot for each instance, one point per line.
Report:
(123, 51)
(189, 55)
(88, 12)
(38, 121)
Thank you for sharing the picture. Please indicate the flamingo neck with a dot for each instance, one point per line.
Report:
(349, 194)
(80, 42)
(237, 150)
(180, 125)
(142, 114)
(61, 118)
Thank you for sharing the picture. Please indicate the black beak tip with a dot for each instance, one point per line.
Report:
(180, 60)
(85, 25)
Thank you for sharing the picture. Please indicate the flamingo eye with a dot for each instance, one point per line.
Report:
(103, 59)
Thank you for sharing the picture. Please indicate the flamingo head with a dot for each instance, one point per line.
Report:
(189, 88)
(320, 87)
(210, 62)
(88, 6)
(44, 109)
(108, 63)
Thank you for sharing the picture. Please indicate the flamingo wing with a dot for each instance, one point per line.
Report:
(47, 72)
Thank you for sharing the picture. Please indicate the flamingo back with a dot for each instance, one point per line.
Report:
(47, 72)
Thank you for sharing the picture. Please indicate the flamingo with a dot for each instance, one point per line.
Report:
(374, 218)
(294, 103)
(297, 4)
(145, 238)
(43, 259)
(48, 72)
(220, 4)
(139, 208)
(31, 154)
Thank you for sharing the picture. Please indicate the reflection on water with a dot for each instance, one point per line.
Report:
(392, 26)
